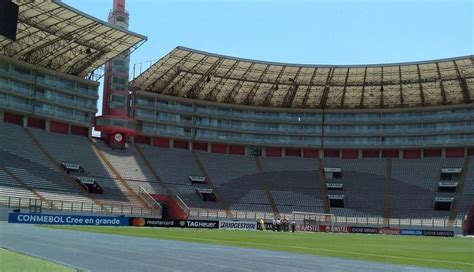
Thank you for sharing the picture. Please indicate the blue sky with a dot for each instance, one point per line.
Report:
(300, 31)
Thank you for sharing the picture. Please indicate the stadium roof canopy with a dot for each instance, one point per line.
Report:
(200, 75)
(54, 35)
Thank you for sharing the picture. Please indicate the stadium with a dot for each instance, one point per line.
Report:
(198, 142)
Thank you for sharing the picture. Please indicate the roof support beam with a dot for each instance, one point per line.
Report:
(363, 89)
(381, 88)
(463, 83)
(166, 89)
(70, 50)
(271, 92)
(327, 87)
(422, 94)
(87, 60)
(441, 85)
(193, 92)
(19, 38)
(290, 95)
(251, 94)
(213, 93)
(344, 89)
(402, 102)
(57, 33)
(230, 98)
(170, 79)
(46, 42)
(308, 90)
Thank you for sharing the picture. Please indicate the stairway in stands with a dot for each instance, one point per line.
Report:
(223, 205)
(105, 154)
(166, 190)
(459, 191)
(322, 186)
(388, 193)
(268, 192)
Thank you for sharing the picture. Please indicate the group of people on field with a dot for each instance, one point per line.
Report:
(280, 225)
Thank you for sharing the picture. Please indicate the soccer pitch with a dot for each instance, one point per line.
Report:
(13, 261)
(436, 252)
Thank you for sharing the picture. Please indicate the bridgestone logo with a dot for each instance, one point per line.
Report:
(235, 225)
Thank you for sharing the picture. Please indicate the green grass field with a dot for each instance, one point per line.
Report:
(12, 261)
(436, 252)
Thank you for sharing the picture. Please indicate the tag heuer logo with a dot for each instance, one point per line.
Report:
(182, 223)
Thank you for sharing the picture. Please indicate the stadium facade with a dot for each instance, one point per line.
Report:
(47, 74)
(304, 136)
(238, 106)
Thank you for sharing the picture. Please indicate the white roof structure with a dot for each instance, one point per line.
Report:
(56, 36)
(190, 73)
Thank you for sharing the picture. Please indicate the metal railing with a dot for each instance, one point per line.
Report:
(71, 206)
(372, 221)
(155, 206)
(89, 207)
(183, 205)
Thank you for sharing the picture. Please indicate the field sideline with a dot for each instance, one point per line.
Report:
(436, 252)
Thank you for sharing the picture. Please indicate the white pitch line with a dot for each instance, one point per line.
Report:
(322, 249)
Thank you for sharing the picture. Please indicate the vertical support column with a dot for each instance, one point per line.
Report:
(388, 193)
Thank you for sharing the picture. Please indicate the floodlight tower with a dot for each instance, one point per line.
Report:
(115, 123)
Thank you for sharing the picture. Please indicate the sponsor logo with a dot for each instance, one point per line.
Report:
(154, 222)
(201, 224)
(364, 230)
(440, 233)
(411, 232)
(389, 231)
(236, 225)
(159, 223)
(341, 229)
(310, 228)
(139, 222)
(53, 219)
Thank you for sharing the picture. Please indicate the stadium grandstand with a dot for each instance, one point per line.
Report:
(202, 135)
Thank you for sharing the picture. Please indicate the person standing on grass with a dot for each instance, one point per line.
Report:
(274, 224)
(278, 224)
(293, 225)
(262, 224)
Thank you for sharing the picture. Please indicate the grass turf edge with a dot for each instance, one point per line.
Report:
(389, 259)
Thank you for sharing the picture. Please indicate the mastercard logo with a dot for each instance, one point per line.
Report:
(139, 222)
